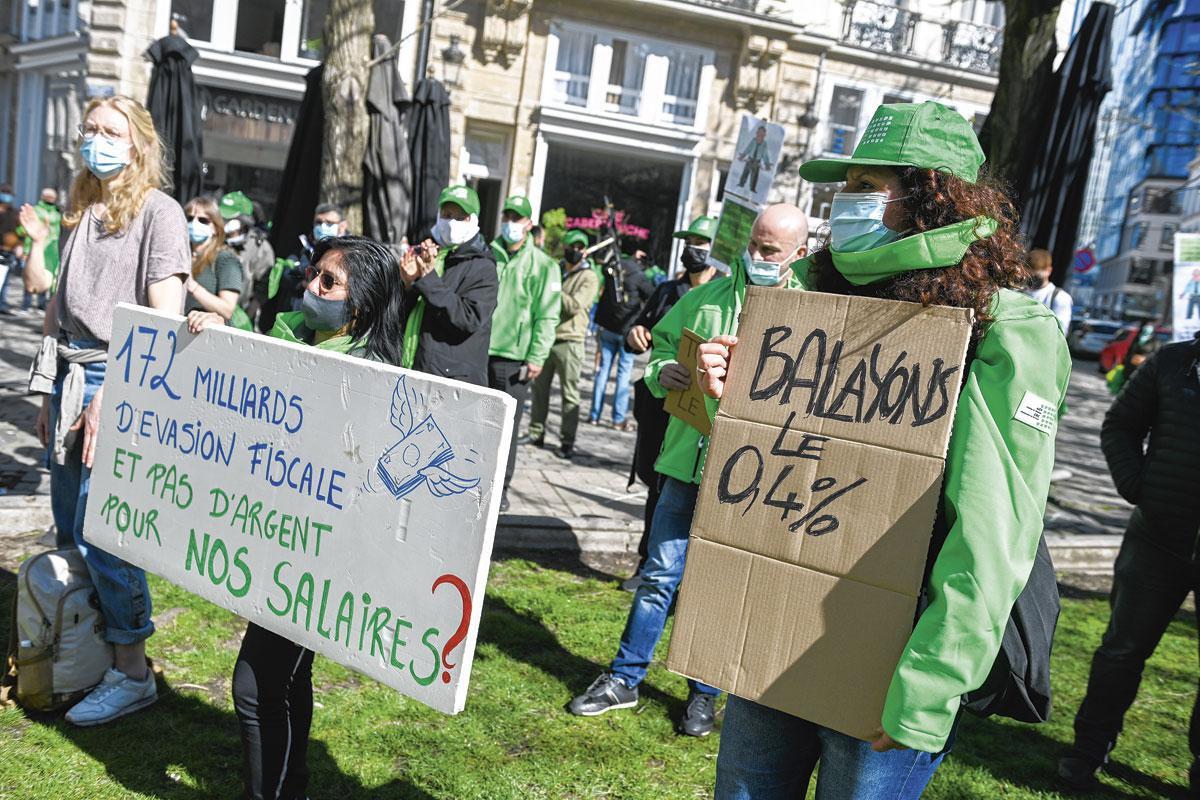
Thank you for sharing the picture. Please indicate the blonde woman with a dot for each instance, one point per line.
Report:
(127, 243)
(216, 279)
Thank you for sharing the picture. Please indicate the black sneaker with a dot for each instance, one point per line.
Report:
(504, 502)
(538, 442)
(606, 693)
(699, 715)
(1077, 772)
(566, 451)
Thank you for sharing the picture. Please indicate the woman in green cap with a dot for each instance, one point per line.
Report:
(917, 222)
(352, 304)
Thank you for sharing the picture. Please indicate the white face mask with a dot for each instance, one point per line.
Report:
(512, 232)
(455, 231)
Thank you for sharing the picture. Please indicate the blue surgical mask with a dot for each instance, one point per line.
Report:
(5, 197)
(104, 157)
(198, 232)
(323, 230)
(764, 273)
(856, 222)
(321, 314)
(512, 232)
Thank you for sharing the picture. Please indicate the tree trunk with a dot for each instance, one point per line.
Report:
(348, 31)
(1026, 66)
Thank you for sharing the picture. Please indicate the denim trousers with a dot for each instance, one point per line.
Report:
(612, 348)
(769, 755)
(1149, 586)
(660, 575)
(121, 587)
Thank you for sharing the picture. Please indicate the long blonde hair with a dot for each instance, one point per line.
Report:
(204, 255)
(128, 190)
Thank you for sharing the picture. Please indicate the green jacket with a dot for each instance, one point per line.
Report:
(578, 295)
(710, 310)
(289, 326)
(993, 500)
(527, 303)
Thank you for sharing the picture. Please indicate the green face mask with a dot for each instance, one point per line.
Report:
(942, 247)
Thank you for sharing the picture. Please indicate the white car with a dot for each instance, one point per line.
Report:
(1092, 336)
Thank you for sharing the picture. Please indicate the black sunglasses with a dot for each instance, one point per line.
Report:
(328, 281)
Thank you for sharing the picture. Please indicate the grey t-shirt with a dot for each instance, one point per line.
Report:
(100, 269)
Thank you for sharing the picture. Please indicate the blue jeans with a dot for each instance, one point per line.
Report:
(660, 575)
(769, 755)
(612, 347)
(121, 587)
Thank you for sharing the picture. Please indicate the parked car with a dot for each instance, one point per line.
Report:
(1114, 352)
(1091, 337)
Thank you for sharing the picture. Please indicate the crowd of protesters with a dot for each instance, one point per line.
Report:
(507, 315)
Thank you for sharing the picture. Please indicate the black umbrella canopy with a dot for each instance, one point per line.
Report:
(1052, 191)
(429, 142)
(174, 104)
(300, 189)
(387, 164)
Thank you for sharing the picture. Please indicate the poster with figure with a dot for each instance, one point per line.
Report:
(755, 159)
(347, 505)
(1186, 287)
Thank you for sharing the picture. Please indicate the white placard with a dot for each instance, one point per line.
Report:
(347, 505)
(755, 160)
(1185, 322)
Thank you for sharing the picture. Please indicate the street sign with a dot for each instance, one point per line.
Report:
(1085, 259)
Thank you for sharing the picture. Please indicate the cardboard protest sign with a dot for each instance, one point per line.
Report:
(347, 505)
(733, 233)
(814, 516)
(755, 159)
(688, 404)
(1186, 288)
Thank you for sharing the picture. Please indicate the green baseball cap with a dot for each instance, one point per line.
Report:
(462, 196)
(519, 204)
(575, 237)
(235, 204)
(704, 227)
(928, 135)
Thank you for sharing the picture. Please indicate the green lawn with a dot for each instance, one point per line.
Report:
(546, 631)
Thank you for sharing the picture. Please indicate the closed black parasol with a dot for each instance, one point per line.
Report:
(387, 164)
(300, 189)
(429, 143)
(1052, 192)
(174, 104)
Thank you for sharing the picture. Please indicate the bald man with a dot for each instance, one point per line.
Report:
(778, 239)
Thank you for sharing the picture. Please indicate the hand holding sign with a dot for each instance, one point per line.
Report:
(685, 400)
(713, 364)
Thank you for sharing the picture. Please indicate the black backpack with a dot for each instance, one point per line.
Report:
(1018, 685)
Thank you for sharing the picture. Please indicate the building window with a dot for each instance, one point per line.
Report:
(625, 75)
(890, 98)
(844, 111)
(195, 17)
(573, 69)
(1167, 240)
(312, 28)
(683, 87)
(260, 27)
(1135, 235)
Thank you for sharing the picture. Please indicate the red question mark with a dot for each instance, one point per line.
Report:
(460, 632)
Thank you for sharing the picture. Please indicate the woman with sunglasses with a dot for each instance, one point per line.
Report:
(216, 279)
(352, 304)
(127, 243)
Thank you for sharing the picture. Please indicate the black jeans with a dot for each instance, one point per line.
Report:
(505, 375)
(1149, 585)
(273, 697)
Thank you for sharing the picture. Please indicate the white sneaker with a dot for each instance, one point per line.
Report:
(117, 695)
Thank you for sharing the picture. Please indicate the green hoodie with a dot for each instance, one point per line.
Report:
(710, 310)
(289, 326)
(527, 303)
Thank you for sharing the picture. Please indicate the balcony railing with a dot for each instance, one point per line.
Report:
(879, 26)
(973, 47)
(885, 28)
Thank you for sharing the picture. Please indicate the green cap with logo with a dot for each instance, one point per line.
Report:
(462, 196)
(519, 205)
(235, 204)
(704, 227)
(927, 135)
(575, 237)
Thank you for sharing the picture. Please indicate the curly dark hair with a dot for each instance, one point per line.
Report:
(934, 200)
